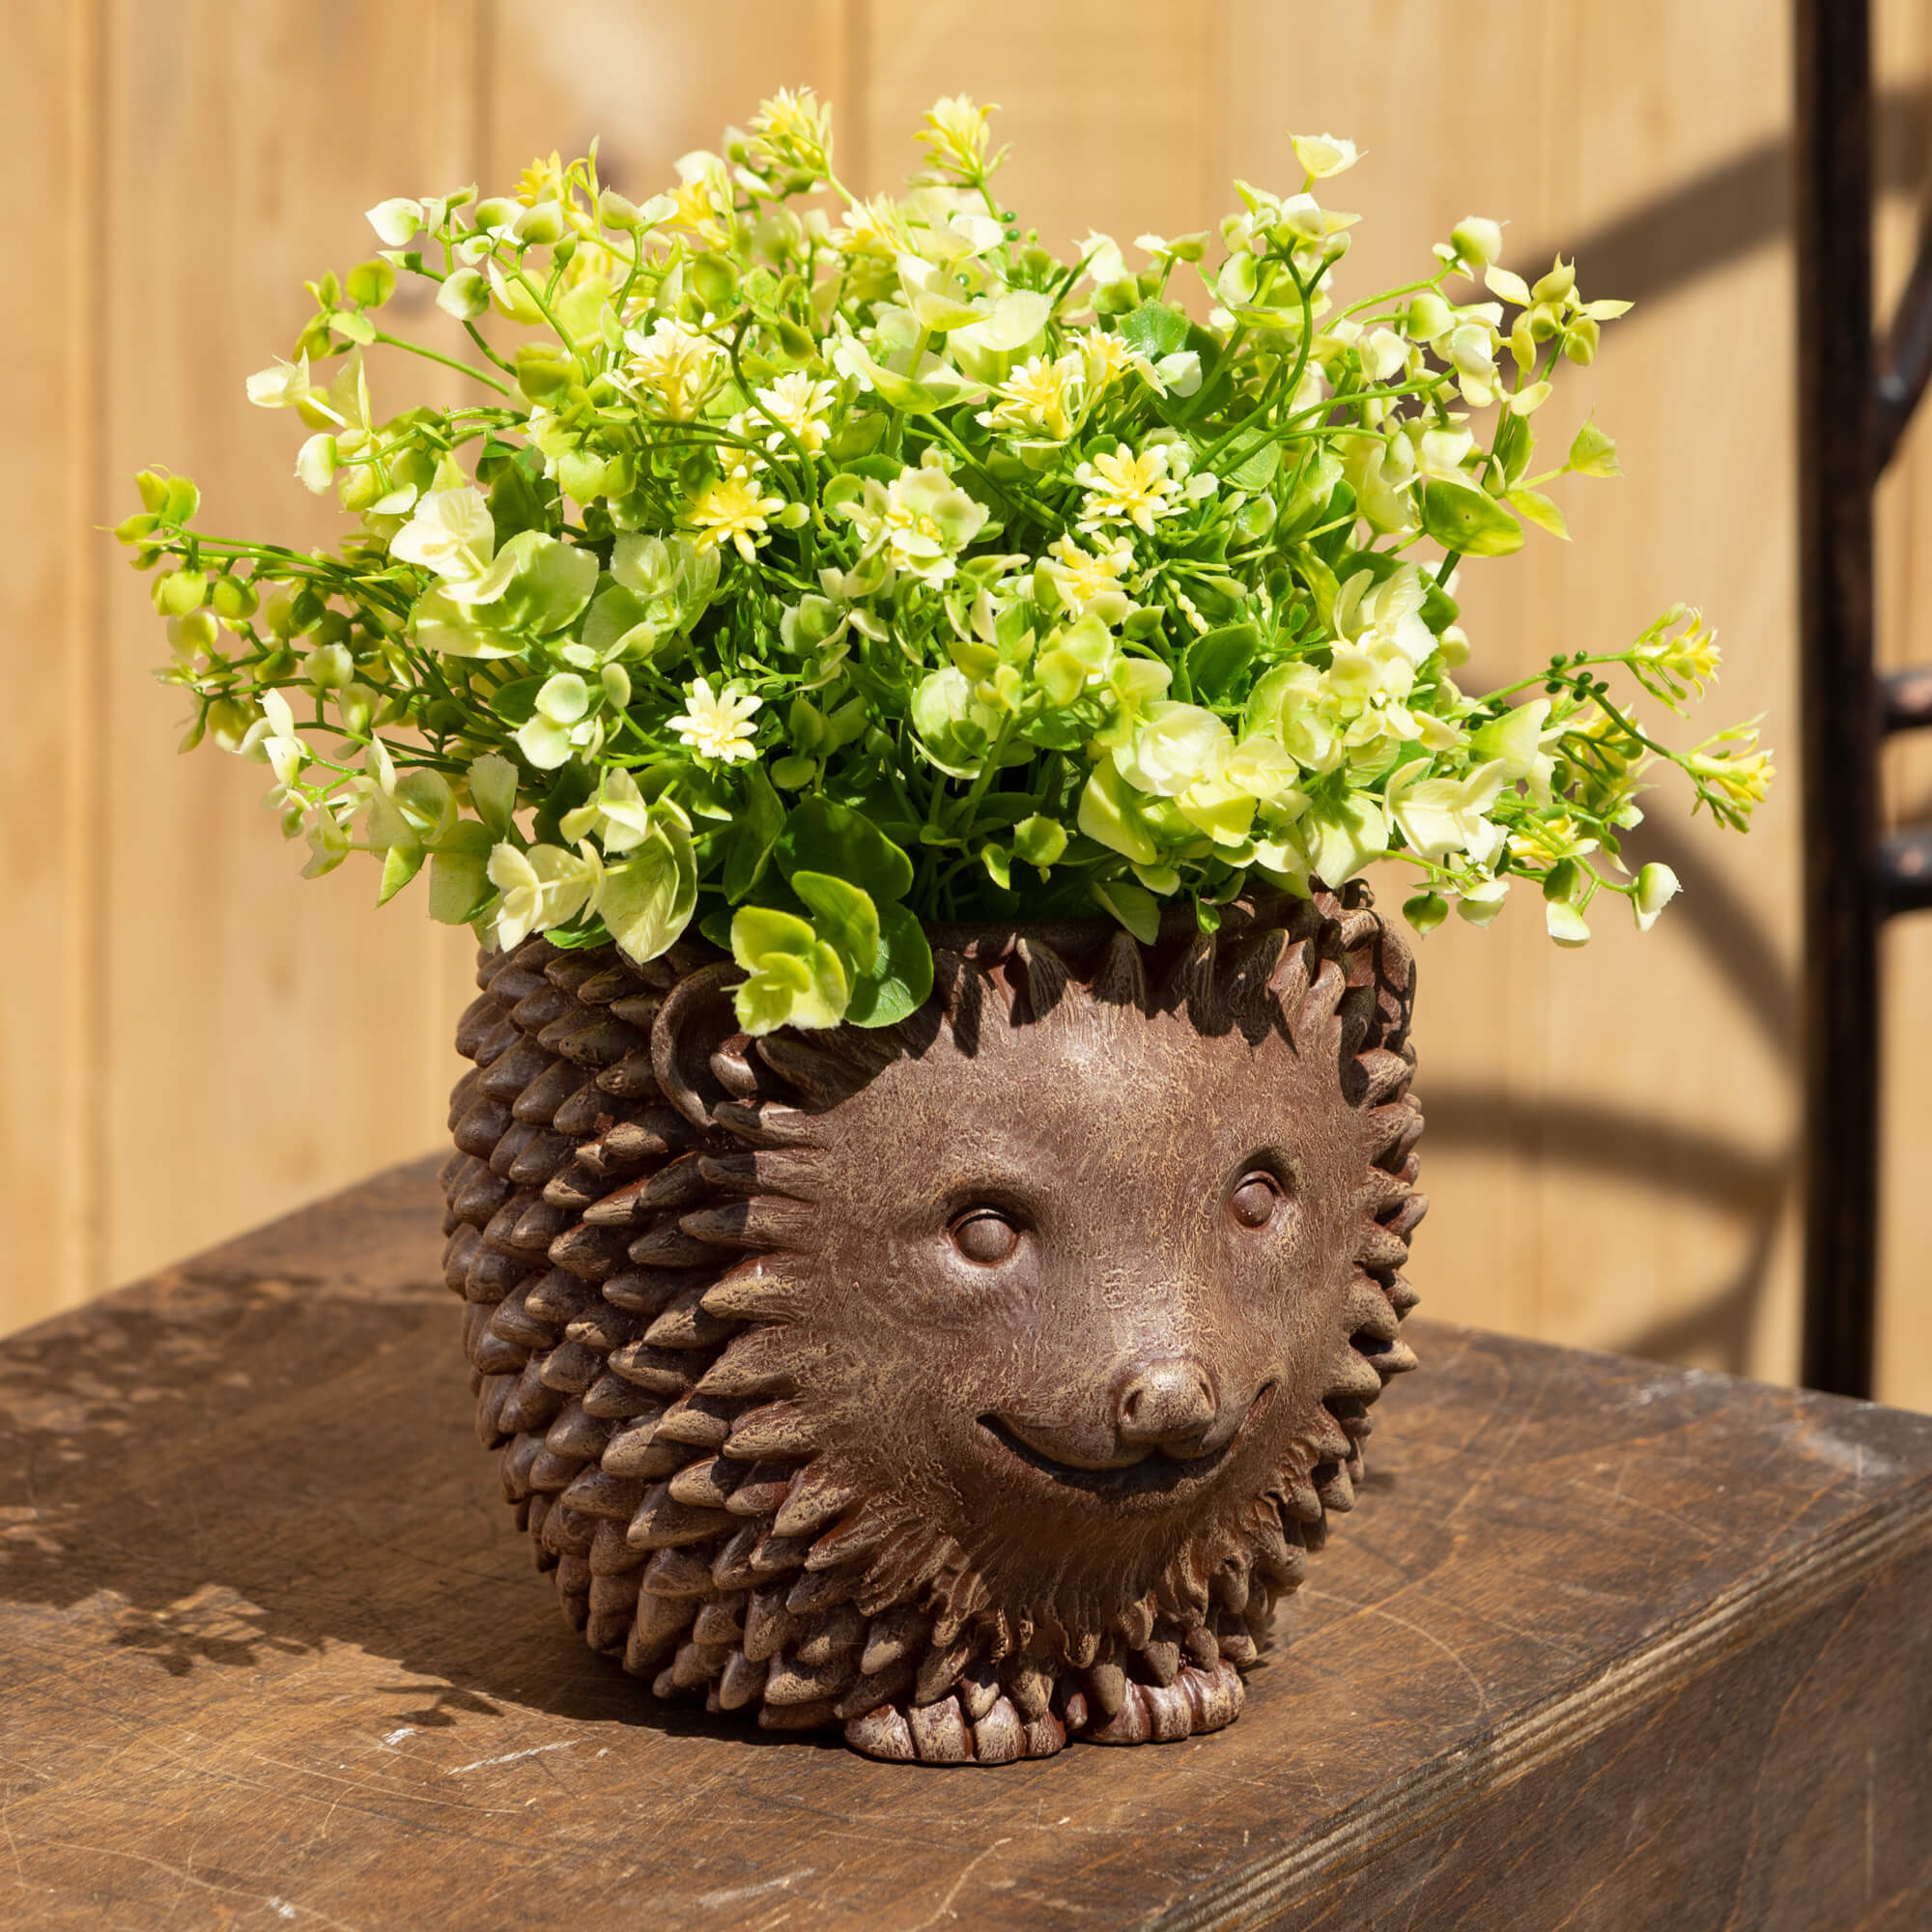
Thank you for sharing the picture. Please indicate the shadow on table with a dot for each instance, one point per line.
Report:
(213, 1472)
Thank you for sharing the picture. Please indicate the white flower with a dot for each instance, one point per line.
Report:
(315, 461)
(1324, 155)
(287, 386)
(921, 520)
(1440, 816)
(1104, 261)
(1085, 581)
(272, 738)
(1656, 888)
(450, 533)
(1176, 745)
(542, 887)
(1475, 241)
(1565, 923)
(397, 220)
(1472, 352)
(718, 725)
(1386, 616)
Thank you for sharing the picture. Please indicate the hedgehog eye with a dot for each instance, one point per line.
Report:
(985, 1235)
(1255, 1199)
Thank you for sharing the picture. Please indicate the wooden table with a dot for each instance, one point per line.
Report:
(1606, 1644)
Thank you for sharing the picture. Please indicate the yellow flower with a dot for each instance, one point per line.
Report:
(797, 403)
(955, 136)
(1039, 397)
(730, 510)
(1085, 581)
(1107, 355)
(793, 129)
(1128, 488)
(676, 365)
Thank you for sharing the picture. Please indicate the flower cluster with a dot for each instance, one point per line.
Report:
(808, 568)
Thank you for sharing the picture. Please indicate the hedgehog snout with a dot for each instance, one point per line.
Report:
(1167, 1405)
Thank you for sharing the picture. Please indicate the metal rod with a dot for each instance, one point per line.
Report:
(1905, 700)
(1906, 362)
(1838, 696)
(1904, 869)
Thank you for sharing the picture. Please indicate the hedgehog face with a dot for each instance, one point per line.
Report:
(971, 1384)
(1075, 1298)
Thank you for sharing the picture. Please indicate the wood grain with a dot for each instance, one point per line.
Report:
(1605, 1643)
(290, 1038)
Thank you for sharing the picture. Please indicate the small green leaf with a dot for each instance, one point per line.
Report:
(516, 502)
(822, 836)
(1154, 329)
(1217, 660)
(755, 831)
(648, 899)
(844, 916)
(1539, 511)
(757, 931)
(1468, 521)
(516, 702)
(1039, 841)
(400, 862)
(370, 285)
(1257, 472)
(493, 791)
(1136, 908)
(458, 883)
(545, 371)
(1593, 453)
(902, 976)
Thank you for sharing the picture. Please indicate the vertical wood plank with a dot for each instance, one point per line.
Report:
(51, 670)
(265, 1036)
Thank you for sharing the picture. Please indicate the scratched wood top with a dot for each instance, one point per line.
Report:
(271, 1653)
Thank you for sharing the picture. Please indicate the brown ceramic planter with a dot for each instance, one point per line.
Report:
(969, 1384)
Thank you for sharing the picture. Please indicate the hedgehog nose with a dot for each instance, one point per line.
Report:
(1166, 1405)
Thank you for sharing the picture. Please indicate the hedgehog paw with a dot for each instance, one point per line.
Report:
(1195, 1702)
(941, 1733)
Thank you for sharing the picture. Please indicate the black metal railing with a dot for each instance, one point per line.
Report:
(1855, 398)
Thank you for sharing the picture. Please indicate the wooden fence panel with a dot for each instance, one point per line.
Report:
(196, 1037)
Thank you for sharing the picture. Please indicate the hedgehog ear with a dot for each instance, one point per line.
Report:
(696, 1020)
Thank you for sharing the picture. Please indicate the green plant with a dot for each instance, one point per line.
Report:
(811, 567)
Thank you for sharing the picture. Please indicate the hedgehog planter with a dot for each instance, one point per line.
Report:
(969, 1384)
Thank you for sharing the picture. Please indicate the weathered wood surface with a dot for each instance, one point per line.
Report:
(1604, 1645)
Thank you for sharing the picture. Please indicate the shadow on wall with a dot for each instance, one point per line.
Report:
(1704, 225)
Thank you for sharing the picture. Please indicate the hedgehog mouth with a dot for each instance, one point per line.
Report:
(1152, 1473)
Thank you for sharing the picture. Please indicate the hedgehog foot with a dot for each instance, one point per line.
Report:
(1195, 1702)
(942, 1733)
(1192, 1703)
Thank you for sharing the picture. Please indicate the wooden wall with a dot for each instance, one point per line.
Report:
(192, 1038)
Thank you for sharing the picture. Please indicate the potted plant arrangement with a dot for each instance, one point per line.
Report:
(905, 714)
